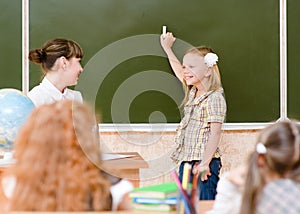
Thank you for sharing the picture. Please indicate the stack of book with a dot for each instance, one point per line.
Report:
(160, 197)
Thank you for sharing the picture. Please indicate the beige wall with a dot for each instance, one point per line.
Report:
(155, 148)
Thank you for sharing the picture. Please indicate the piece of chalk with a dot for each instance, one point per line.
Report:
(164, 30)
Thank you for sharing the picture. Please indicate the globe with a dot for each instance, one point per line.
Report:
(15, 108)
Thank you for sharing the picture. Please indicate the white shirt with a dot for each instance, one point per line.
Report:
(117, 190)
(47, 93)
(228, 198)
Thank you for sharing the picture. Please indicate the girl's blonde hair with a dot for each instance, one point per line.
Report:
(282, 142)
(214, 78)
(57, 153)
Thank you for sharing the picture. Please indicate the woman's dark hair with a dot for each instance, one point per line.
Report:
(53, 49)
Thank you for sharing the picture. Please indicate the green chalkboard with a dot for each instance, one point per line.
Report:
(293, 88)
(11, 44)
(126, 75)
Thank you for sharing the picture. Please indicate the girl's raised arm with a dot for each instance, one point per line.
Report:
(167, 40)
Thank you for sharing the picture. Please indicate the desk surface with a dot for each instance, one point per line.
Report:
(128, 167)
(123, 165)
(134, 161)
(203, 207)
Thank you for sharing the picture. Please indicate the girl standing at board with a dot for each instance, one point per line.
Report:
(60, 62)
(199, 131)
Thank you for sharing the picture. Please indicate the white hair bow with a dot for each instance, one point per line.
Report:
(261, 148)
(211, 59)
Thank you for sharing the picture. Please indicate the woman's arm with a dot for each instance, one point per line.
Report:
(167, 42)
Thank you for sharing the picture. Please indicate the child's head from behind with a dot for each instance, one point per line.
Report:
(281, 142)
(56, 152)
(276, 156)
(194, 61)
(64, 126)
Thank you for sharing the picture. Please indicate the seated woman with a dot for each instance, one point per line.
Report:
(58, 163)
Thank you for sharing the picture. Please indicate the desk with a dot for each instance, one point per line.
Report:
(128, 167)
(204, 206)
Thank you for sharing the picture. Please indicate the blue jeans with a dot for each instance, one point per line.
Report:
(207, 189)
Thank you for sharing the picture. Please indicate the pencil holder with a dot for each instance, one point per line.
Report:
(181, 206)
(188, 203)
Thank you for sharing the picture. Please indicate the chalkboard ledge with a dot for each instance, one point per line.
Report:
(170, 127)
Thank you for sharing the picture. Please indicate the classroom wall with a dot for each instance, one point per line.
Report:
(155, 147)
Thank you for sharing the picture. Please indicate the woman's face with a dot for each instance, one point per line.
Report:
(194, 69)
(73, 70)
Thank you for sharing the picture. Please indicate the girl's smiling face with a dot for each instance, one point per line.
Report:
(194, 69)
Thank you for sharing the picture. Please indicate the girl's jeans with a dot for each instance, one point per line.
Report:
(207, 189)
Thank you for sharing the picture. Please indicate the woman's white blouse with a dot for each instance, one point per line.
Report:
(47, 93)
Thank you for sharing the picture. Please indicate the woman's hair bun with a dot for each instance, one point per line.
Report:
(37, 55)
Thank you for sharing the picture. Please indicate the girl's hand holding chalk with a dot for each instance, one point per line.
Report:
(167, 35)
(166, 39)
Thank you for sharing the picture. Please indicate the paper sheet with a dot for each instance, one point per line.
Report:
(113, 156)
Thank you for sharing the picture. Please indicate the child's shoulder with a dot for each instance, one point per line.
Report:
(219, 93)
